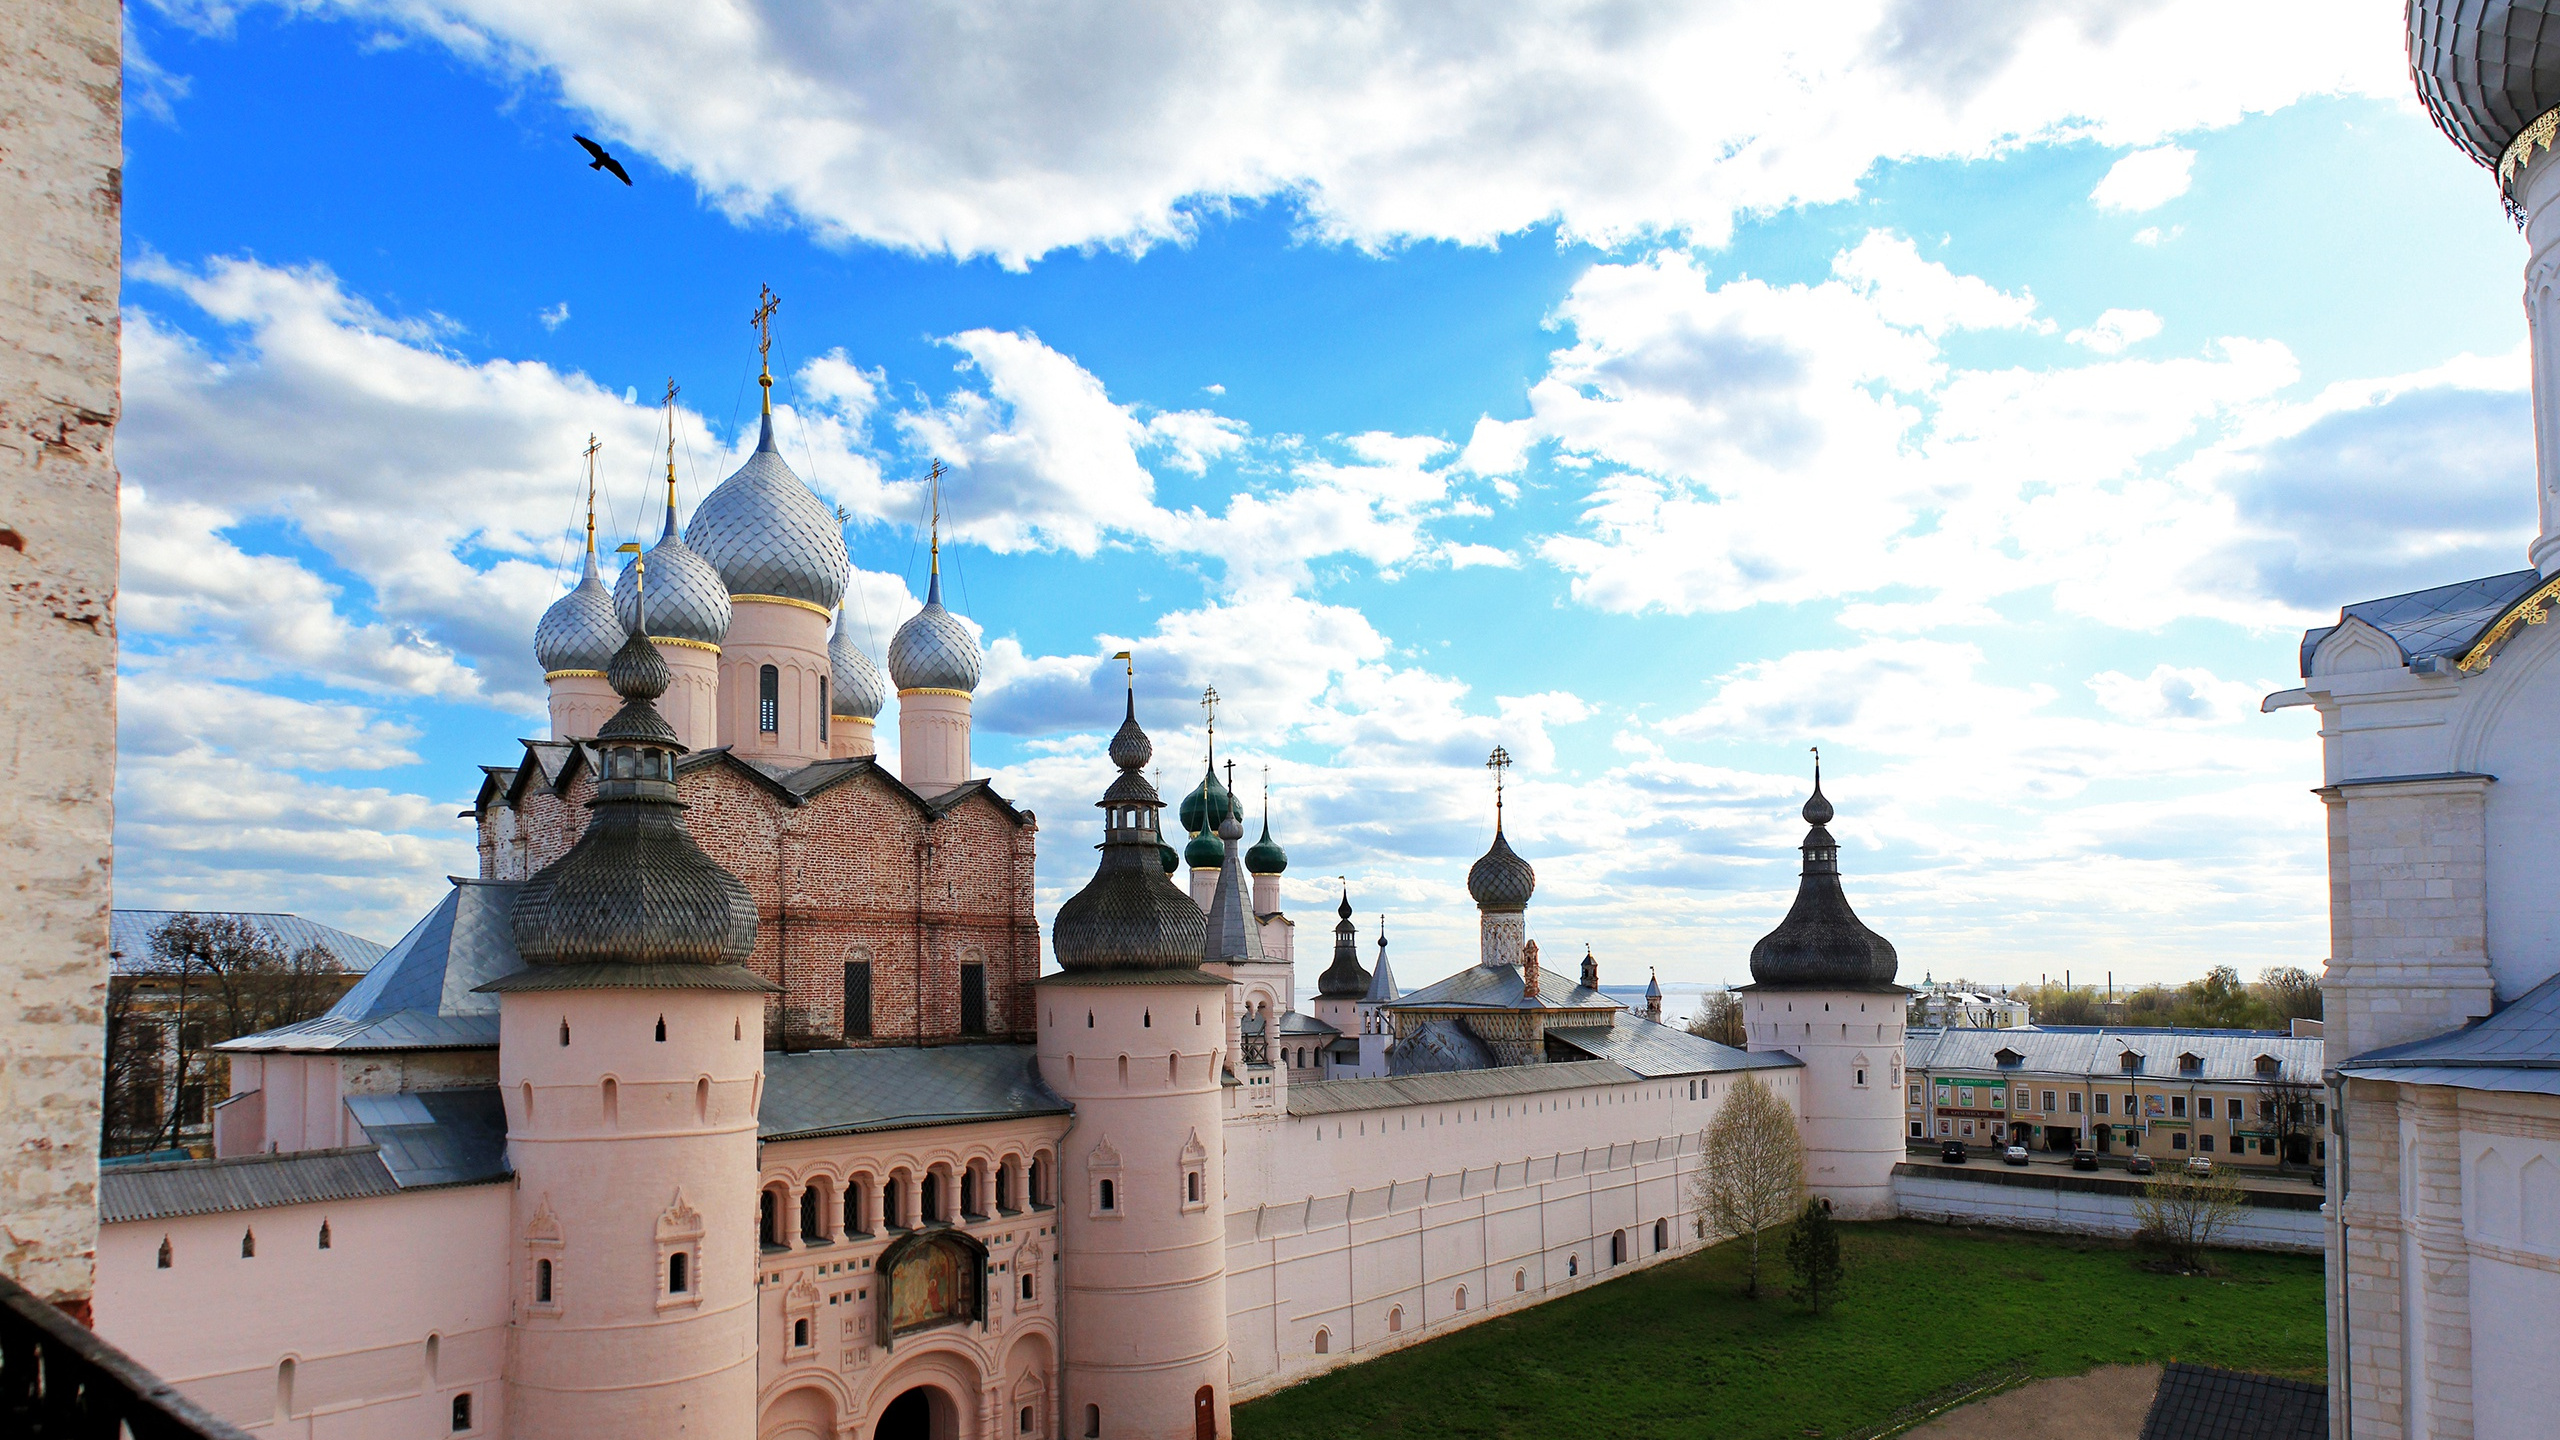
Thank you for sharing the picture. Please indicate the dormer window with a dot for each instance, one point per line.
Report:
(2269, 1065)
(2190, 1064)
(2130, 1062)
(2009, 1059)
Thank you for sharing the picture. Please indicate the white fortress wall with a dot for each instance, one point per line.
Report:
(1370, 1221)
(407, 1308)
(1927, 1195)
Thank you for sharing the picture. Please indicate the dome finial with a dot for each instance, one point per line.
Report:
(766, 303)
(1817, 809)
(593, 446)
(1130, 748)
(1497, 762)
(933, 488)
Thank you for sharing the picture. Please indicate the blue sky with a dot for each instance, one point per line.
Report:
(1656, 393)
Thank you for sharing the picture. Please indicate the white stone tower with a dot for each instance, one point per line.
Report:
(688, 617)
(1377, 1028)
(933, 660)
(1822, 990)
(780, 552)
(1344, 984)
(576, 638)
(630, 1077)
(1131, 1035)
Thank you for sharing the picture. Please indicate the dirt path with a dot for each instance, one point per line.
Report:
(2108, 1403)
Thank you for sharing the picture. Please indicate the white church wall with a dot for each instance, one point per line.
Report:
(406, 1309)
(1365, 1226)
(2502, 728)
(2065, 1211)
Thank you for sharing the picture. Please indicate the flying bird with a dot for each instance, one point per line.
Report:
(603, 161)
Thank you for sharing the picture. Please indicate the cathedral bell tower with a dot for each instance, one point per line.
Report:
(631, 1079)
(1132, 1034)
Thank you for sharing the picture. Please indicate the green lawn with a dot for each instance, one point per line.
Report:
(1677, 1351)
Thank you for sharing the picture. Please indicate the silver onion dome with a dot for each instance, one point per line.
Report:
(579, 631)
(687, 600)
(859, 692)
(2485, 71)
(768, 535)
(1501, 880)
(934, 650)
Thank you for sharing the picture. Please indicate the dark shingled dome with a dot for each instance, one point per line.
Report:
(2485, 69)
(1501, 880)
(1129, 916)
(1266, 857)
(635, 891)
(1822, 944)
(1344, 979)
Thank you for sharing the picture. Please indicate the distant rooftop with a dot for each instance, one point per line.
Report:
(2445, 621)
(129, 935)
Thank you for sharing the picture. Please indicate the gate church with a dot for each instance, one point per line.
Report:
(729, 1099)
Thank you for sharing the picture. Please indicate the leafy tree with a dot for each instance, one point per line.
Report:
(2181, 1213)
(1813, 1254)
(1753, 1169)
(215, 978)
(2291, 992)
(1719, 1018)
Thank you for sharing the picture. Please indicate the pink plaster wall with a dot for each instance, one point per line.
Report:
(355, 1318)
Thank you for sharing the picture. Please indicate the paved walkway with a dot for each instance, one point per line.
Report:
(2108, 1403)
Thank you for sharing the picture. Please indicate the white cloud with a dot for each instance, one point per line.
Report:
(2153, 235)
(2111, 332)
(1922, 295)
(924, 127)
(2145, 180)
(2174, 694)
(555, 317)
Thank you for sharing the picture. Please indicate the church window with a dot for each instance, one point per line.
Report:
(612, 1102)
(1108, 1199)
(541, 1282)
(929, 1191)
(678, 1283)
(1395, 1318)
(1661, 1235)
(768, 700)
(973, 999)
(1092, 1420)
(435, 1344)
(822, 709)
(812, 1223)
(564, 1031)
(1039, 1180)
(1029, 1289)
(1618, 1248)
(1324, 1341)
(1519, 1281)
(768, 1225)
(324, 1234)
(799, 1328)
(461, 1412)
(248, 1244)
(662, 1029)
(1573, 1265)
(165, 1253)
(1191, 1187)
(857, 1000)
(969, 1192)
(702, 1100)
(1025, 1425)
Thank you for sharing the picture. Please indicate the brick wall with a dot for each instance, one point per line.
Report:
(858, 871)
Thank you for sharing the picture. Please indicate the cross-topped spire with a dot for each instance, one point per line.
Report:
(933, 489)
(1209, 707)
(766, 303)
(592, 447)
(1497, 762)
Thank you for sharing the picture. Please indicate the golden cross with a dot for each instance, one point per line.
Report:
(1497, 762)
(766, 303)
(933, 489)
(1209, 703)
(593, 445)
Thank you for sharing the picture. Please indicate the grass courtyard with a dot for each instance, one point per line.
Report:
(1677, 1351)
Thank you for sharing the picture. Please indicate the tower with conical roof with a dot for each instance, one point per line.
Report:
(780, 553)
(576, 638)
(1500, 883)
(1341, 987)
(688, 617)
(1131, 1034)
(934, 662)
(630, 1078)
(1205, 809)
(1377, 1027)
(855, 699)
(1822, 989)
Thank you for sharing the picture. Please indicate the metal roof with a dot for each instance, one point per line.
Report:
(2517, 1048)
(437, 1137)
(1336, 1097)
(1500, 987)
(423, 995)
(251, 1182)
(2444, 621)
(129, 935)
(2198, 1402)
(850, 1092)
(2228, 1056)
(1653, 1050)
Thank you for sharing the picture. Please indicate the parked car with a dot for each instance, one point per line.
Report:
(1952, 1152)
(2199, 1165)
(2139, 1165)
(2084, 1158)
(2014, 1155)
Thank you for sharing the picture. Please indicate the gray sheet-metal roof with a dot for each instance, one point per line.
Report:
(129, 935)
(423, 994)
(1500, 987)
(2515, 1049)
(1336, 1097)
(1435, 1045)
(2446, 620)
(849, 1092)
(2228, 1056)
(1653, 1050)
(2198, 1402)
(437, 1137)
(251, 1182)
(1294, 1023)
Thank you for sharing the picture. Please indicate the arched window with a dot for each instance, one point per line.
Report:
(1191, 1187)
(1662, 1234)
(799, 1328)
(1324, 1342)
(1039, 1180)
(1028, 1290)
(1109, 1199)
(677, 1280)
(768, 1223)
(768, 700)
(1573, 1265)
(929, 1189)
(324, 1234)
(969, 1191)
(893, 1202)
(1462, 1297)
(662, 1029)
(822, 709)
(1618, 1248)
(248, 1244)
(164, 1252)
(1395, 1319)
(853, 1208)
(1519, 1281)
(461, 1412)
(1092, 1420)
(541, 1282)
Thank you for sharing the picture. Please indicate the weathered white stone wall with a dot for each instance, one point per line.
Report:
(1365, 1225)
(61, 236)
(1929, 1195)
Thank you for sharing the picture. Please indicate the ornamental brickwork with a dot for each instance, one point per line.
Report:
(859, 872)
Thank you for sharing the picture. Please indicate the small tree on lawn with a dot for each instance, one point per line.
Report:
(1753, 1169)
(1813, 1253)
(2181, 1213)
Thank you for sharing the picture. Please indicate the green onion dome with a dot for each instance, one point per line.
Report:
(1266, 857)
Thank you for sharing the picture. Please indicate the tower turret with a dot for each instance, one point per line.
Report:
(576, 638)
(933, 660)
(1131, 1034)
(630, 1079)
(1822, 990)
(1266, 861)
(1500, 883)
(688, 617)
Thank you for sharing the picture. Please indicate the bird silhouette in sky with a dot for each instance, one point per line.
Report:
(603, 161)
